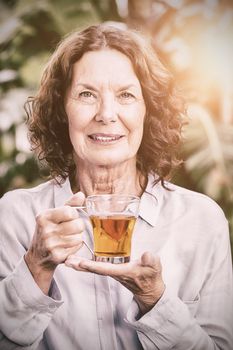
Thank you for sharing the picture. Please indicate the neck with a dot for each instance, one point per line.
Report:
(118, 179)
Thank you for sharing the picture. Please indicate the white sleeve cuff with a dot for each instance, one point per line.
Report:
(163, 325)
(30, 293)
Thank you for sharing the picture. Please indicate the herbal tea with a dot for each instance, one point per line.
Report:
(113, 217)
(112, 235)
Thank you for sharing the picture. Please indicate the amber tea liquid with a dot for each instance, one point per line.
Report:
(112, 235)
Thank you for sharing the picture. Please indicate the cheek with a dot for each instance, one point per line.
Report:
(79, 117)
(134, 119)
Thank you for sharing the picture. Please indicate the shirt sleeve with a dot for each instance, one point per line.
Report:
(205, 323)
(25, 311)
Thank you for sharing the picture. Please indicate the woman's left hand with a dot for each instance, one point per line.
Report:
(142, 277)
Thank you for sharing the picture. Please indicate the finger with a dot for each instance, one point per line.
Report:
(70, 241)
(77, 199)
(57, 215)
(74, 262)
(70, 227)
(73, 250)
(59, 254)
(68, 246)
(147, 259)
(101, 268)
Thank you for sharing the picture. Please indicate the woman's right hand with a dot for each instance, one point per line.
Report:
(58, 234)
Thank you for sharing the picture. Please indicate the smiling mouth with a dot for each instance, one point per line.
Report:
(104, 138)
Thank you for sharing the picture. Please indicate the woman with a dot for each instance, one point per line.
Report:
(107, 120)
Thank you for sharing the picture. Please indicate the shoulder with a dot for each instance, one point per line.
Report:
(23, 193)
(195, 199)
(188, 207)
(179, 198)
(23, 199)
(197, 207)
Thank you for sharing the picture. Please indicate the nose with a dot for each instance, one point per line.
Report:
(107, 110)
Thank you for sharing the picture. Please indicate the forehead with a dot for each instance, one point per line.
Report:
(105, 65)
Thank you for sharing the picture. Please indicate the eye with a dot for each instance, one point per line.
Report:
(84, 96)
(126, 95)
(87, 95)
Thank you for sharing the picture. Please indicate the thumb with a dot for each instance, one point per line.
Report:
(78, 199)
(147, 259)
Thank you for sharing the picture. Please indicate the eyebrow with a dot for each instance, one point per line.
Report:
(91, 87)
(126, 87)
(86, 86)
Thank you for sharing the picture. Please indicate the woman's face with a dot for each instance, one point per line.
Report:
(105, 109)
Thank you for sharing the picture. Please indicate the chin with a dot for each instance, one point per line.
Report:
(105, 159)
(111, 161)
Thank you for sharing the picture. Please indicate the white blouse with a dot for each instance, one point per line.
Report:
(85, 311)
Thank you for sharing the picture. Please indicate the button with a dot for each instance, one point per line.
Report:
(52, 306)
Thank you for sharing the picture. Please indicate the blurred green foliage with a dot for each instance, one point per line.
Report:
(192, 37)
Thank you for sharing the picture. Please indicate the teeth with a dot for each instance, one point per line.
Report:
(104, 138)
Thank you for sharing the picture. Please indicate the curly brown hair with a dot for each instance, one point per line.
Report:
(47, 120)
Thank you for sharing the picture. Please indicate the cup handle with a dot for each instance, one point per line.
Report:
(90, 250)
(82, 209)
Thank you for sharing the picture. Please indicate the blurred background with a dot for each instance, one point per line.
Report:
(193, 38)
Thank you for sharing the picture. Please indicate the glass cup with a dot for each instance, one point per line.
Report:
(113, 218)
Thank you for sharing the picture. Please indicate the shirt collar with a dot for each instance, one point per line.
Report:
(151, 201)
(62, 193)
(149, 206)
